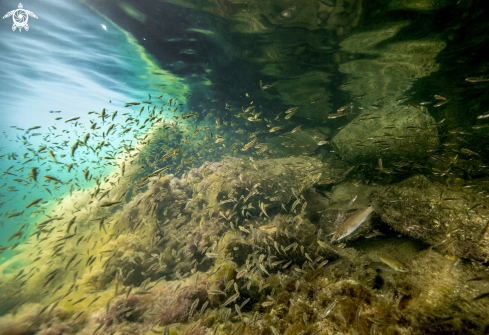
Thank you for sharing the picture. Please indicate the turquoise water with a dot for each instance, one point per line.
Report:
(62, 70)
(244, 167)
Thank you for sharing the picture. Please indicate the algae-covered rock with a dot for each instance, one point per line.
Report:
(453, 220)
(393, 133)
(335, 171)
(351, 195)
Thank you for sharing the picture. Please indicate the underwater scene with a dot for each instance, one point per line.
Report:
(244, 167)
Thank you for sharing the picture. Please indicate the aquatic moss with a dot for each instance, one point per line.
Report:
(183, 250)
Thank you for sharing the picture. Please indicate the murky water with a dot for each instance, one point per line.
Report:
(244, 167)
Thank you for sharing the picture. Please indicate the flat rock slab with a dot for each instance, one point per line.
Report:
(394, 133)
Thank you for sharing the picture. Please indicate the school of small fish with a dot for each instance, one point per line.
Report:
(192, 200)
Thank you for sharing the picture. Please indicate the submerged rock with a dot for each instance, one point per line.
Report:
(393, 133)
(453, 220)
(351, 195)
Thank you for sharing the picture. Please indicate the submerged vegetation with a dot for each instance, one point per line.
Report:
(365, 214)
(245, 246)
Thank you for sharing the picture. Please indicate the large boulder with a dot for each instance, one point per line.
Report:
(395, 133)
(452, 220)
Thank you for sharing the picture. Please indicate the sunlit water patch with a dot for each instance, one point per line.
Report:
(64, 88)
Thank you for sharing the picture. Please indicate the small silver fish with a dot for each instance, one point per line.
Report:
(333, 304)
(393, 263)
